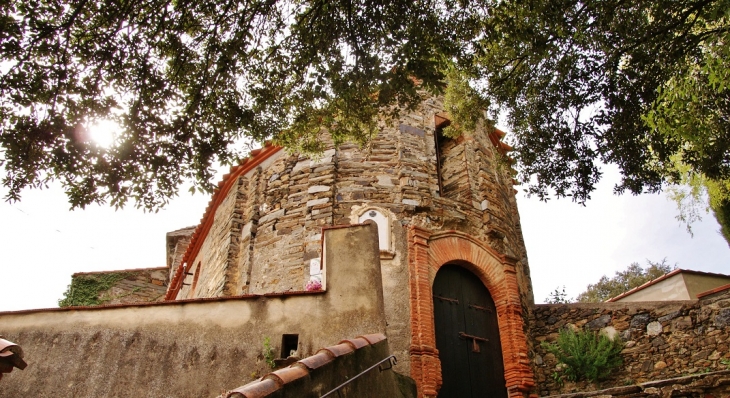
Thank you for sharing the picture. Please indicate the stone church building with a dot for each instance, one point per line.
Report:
(441, 206)
(415, 237)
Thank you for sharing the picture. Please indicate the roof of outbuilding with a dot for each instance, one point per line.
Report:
(663, 277)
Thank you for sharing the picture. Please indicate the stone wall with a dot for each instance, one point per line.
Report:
(177, 242)
(141, 285)
(663, 339)
(193, 348)
(703, 385)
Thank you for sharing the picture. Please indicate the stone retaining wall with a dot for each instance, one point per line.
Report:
(663, 339)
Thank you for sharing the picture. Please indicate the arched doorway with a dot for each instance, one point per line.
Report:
(467, 336)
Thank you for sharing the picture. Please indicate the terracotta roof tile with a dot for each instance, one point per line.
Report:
(317, 360)
(11, 355)
(356, 343)
(373, 338)
(713, 291)
(272, 382)
(338, 350)
(257, 389)
(287, 375)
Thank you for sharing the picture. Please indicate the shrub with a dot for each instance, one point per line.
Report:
(586, 355)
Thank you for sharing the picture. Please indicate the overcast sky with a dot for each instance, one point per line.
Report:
(42, 243)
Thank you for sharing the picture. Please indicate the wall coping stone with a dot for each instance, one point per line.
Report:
(641, 387)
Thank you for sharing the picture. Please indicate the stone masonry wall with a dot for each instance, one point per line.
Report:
(177, 243)
(142, 285)
(663, 339)
(213, 259)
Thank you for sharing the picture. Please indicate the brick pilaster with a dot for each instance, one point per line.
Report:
(425, 364)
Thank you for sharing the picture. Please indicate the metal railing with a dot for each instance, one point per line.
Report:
(392, 361)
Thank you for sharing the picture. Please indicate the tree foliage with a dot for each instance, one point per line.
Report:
(697, 195)
(186, 79)
(581, 82)
(623, 281)
(579, 79)
(558, 296)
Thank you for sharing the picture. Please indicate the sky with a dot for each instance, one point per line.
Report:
(42, 243)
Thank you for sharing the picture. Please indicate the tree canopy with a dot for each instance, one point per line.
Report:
(580, 81)
(623, 281)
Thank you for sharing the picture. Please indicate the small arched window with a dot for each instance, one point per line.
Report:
(383, 227)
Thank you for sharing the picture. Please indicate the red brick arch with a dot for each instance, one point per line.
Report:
(427, 252)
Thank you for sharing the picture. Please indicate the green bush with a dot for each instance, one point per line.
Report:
(586, 355)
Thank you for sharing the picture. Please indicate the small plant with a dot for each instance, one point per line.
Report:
(269, 353)
(314, 285)
(725, 362)
(586, 355)
(558, 378)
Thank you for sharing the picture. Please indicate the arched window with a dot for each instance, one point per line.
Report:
(383, 227)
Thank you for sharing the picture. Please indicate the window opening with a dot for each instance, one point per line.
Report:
(289, 345)
(439, 140)
(383, 227)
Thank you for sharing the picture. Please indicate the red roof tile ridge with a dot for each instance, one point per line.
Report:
(713, 291)
(287, 375)
(356, 343)
(275, 380)
(256, 157)
(338, 350)
(374, 338)
(257, 389)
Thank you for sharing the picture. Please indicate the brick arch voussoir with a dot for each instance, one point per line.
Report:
(470, 254)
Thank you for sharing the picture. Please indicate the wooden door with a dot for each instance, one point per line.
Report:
(467, 336)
